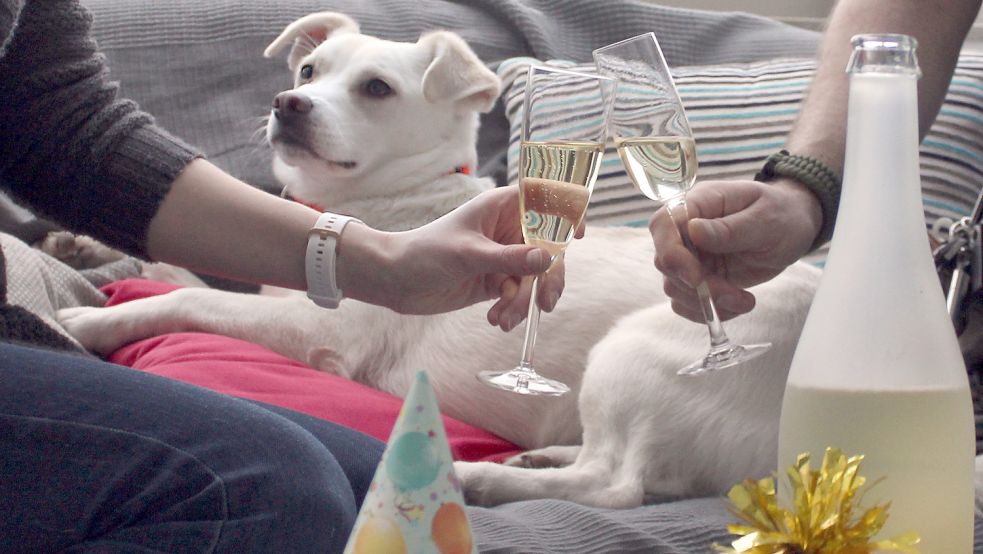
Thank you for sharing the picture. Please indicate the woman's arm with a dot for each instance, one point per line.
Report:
(213, 223)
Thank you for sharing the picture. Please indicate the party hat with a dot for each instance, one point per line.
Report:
(414, 504)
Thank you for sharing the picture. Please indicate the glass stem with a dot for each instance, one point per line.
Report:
(532, 327)
(719, 341)
(718, 338)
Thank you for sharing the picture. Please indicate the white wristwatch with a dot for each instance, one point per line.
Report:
(322, 287)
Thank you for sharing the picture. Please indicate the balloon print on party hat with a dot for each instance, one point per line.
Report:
(414, 504)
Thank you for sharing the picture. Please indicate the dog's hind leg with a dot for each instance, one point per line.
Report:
(592, 483)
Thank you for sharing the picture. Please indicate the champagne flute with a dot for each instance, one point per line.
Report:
(559, 158)
(657, 147)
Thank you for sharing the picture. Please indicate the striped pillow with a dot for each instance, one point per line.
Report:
(741, 113)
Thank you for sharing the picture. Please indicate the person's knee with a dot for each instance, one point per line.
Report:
(291, 496)
(263, 486)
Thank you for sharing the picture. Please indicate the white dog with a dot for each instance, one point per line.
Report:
(385, 130)
(380, 130)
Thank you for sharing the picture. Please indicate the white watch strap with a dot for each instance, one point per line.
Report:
(322, 287)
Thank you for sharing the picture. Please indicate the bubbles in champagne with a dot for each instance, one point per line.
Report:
(555, 190)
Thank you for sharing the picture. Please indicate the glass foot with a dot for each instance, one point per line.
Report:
(523, 381)
(722, 358)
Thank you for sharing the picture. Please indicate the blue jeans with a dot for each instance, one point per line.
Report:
(96, 457)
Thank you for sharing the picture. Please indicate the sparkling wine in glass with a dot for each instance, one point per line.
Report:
(559, 157)
(656, 144)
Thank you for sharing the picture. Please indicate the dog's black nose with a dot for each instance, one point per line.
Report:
(291, 103)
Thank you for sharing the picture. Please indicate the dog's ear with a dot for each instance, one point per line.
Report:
(457, 74)
(307, 32)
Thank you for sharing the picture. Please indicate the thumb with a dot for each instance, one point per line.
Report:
(514, 259)
(723, 218)
(733, 233)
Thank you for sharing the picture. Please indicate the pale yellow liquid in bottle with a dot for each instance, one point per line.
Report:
(924, 471)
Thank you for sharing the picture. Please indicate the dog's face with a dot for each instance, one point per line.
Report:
(361, 105)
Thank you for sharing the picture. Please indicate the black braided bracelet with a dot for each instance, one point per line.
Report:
(821, 180)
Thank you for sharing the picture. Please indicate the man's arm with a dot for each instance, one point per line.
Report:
(939, 26)
(748, 232)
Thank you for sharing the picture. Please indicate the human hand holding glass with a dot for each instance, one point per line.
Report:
(559, 158)
(656, 144)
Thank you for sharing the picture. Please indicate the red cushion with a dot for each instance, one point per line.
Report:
(248, 370)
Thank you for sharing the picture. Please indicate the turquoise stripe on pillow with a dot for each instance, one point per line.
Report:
(769, 146)
(741, 115)
(714, 91)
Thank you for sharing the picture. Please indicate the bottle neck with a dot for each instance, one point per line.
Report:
(878, 318)
(881, 197)
(881, 201)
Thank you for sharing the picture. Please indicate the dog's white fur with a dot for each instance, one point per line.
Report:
(389, 159)
(613, 337)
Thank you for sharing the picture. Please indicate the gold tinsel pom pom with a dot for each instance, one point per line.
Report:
(826, 518)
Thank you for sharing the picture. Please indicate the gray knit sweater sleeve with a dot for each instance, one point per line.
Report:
(69, 148)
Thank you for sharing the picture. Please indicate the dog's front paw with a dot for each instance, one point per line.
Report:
(475, 486)
(78, 251)
(95, 328)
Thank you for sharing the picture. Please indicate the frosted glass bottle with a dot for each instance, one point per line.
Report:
(878, 370)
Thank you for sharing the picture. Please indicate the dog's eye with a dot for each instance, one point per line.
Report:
(377, 88)
(307, 71)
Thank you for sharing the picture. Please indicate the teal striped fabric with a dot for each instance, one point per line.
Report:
(741, 113)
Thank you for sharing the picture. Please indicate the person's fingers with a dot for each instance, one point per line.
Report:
(683, 299)
(515, 309)
(516, 259)
(551, 285)
(686, 310)
(678, 262)
(513, 303)
(730, 301)
(672, 258)
(498, 313)
(663, 230)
